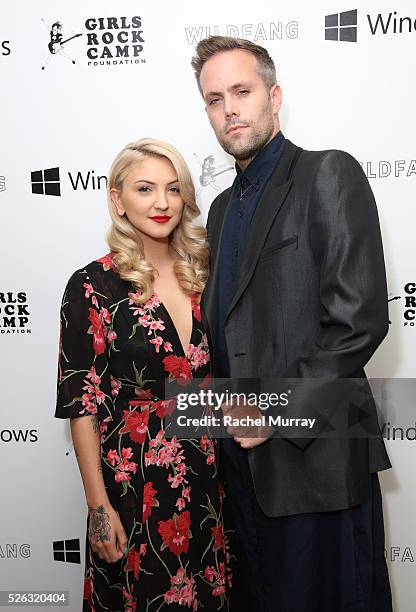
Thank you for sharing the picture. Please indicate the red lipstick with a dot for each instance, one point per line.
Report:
(160, 218)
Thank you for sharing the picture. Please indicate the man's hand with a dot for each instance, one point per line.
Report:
(242, 423)
(250, 442)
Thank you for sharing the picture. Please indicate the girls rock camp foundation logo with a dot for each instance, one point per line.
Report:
(109, 41)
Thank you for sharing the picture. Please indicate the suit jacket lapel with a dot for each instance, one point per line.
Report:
(266, 211)
(209, 300)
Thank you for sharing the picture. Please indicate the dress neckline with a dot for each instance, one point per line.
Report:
(185, 353)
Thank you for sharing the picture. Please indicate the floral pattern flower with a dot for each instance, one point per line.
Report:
(149, 500)
(136, 425)
(182, 590)
(179, 369)
(176, 533)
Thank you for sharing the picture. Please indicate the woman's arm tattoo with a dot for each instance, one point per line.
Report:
(95, 424)
(99, 525)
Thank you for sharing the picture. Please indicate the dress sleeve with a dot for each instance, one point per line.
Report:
(84, 386)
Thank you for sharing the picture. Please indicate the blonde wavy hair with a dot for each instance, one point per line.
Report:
(187, 240)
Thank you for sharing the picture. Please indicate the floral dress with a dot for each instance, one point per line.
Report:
(115, 357)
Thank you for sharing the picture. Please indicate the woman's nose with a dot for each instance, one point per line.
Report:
(161, 201)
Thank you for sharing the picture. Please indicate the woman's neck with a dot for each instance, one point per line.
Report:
(157, 252)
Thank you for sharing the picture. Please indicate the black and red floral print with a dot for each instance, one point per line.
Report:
(115, 357)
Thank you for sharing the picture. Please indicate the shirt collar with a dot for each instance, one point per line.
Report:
(260, 168)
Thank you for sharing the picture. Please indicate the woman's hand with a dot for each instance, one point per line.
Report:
(106, 533)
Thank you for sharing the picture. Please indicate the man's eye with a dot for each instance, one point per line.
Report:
(243, 91)
(213, 101)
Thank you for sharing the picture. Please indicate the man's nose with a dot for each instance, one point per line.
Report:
(230, 107)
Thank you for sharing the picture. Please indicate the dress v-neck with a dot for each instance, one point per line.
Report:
(180, 345)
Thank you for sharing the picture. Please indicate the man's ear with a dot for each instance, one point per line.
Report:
(116, 200)
(276, 97)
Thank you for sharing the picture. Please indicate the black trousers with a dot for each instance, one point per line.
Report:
(317, 562)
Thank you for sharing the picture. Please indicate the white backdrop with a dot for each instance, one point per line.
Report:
(357, 96)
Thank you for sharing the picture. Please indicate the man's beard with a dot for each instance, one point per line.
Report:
(258, 139)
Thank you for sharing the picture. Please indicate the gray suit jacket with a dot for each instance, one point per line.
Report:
(310, 302)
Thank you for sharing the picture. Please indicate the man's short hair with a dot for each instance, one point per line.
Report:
(208, 47)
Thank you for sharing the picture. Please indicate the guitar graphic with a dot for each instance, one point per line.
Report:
(209, 171)
(55, 46)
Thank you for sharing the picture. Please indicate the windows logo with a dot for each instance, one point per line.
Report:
(46, 182)
(67, 551)
(341, 26)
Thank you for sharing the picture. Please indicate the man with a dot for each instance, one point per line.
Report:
(297, 290)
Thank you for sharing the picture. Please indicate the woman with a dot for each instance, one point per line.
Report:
(130, 322)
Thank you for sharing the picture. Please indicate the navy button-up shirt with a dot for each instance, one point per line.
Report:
(246, 192)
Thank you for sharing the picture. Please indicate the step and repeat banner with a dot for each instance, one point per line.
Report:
(123, 72)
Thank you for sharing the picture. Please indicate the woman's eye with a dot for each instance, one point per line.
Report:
(144, 189)
(175, 189)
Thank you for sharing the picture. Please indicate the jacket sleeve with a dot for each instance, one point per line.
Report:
(346, 242)
(346, 239)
